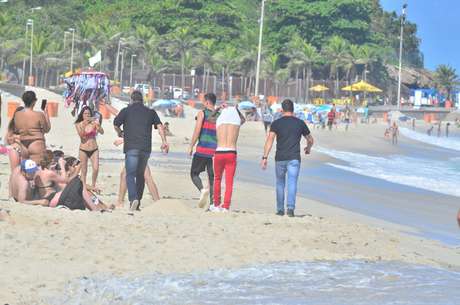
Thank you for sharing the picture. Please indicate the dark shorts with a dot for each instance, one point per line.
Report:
(199, 164)
(267, 125)
(72, 195)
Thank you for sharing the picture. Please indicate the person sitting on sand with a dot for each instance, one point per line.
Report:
(51, 178)
(75, 196)
(31, 126)
(16, 151)
(22, 183)
(88, 126)
(168, 132)
(386, 134)
(228, 128)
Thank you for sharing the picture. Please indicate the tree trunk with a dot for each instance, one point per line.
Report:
(337, 82)
(304, 94)
(182, 80)
(297, 84)
(307, 86)
(223, 80)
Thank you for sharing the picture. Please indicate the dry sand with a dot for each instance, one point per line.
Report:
(42, 249)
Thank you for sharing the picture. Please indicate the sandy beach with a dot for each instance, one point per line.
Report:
(43, 249)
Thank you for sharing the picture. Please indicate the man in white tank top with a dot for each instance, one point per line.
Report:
(228, 128)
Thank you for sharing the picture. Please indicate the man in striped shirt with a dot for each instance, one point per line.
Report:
(205, 135)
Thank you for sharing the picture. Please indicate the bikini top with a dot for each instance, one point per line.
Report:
(91, 135)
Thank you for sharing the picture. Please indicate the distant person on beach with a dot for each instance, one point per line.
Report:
(439, 129)
(137, 121)
(347, 117)
(205, 134)
(32, 126)
(267, 118)
(288, 132)
(413, 124)
(228, 128)
(447, 129)
(88, 127)
(430, 130)
(331, 118)
(394, 130)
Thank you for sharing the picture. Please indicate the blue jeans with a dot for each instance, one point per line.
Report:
(135, 162)
(292, 168)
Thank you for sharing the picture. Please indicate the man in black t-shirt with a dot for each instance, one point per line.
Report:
(288, 132)
(137, 121)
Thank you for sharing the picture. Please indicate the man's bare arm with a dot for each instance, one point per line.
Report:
(197, 130)
(22, 197)
(310, 142)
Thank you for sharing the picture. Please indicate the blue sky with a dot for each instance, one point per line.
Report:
(438, 22)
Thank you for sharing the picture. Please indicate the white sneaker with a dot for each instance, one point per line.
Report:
(224, 210)
(204, 197)
(214, 209)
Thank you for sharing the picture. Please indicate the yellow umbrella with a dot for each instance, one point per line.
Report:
(319, 88)
(362, 86)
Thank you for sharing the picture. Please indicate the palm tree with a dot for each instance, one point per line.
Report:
(271, 68)
(336, 51)
(226, 59)
(446, 79)
(205, 54)
(180, 42)
(367, 55)
(308, 55)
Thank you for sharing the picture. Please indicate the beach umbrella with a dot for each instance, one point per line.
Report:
(277, 107)
(246, 105)
(361, 86)
(162, 103)
(319, 88)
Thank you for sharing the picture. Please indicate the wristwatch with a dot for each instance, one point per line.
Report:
(264, 158)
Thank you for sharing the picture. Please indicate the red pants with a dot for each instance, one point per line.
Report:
(224, 161)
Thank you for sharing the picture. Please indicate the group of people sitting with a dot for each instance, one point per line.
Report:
(40, 176)
(49, 178)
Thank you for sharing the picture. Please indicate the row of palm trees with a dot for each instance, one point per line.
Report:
(180, 51)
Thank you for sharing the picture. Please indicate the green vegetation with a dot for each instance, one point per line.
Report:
(343, 40)
(446, 80)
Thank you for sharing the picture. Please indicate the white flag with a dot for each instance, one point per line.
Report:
(95, 59)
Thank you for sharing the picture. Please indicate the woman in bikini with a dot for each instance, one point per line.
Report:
(88, 127)
(31, 126)
(16, 151)
(49, 180)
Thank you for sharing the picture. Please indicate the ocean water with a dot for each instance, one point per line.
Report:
(332, 283)
(429, 174)
(452, 143)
